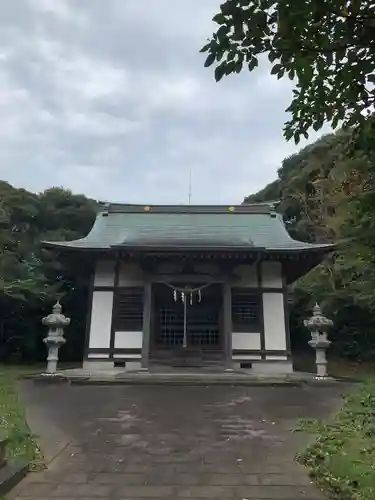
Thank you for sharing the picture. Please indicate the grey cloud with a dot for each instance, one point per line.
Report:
(112, 99)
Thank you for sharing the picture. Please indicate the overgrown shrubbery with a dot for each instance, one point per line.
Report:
(327, 193)
(342, 458)
(31, 278)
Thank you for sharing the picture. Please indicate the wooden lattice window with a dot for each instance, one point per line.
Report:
(246, 310)
(128, 309)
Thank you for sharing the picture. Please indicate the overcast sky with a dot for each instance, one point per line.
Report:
(110, 98)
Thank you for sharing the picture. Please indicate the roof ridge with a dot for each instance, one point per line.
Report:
(253, 208)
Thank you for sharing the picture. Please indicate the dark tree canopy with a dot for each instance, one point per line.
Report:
(326, 46)
(32, 278)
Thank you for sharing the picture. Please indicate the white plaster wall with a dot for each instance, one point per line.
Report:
(97, 356)
(128, 340)
(246, 275)
(274, 321)
(104, 273)
(130, 275)
(127, 356)
(243, 341)
(276, 358)
(272, 275)
(101, 318)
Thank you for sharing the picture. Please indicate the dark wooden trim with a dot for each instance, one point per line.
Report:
(119, 288)
(127, 360)
(197, 278)
(128, 330)
(227, 322)
(261, 312)
(259, 274)
(272, 290)
(286, 353)
(188, 278)
(115, 351)
(251, 208)
(89, 312)
(103, 288)
(259, 289)
(146, 330)
(86, 358)
(250, 329)
(240, 360)
(114, 360)
(113, 323)
(265, 352)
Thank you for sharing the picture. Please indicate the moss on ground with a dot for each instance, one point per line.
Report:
(342, 459)
(22, 445)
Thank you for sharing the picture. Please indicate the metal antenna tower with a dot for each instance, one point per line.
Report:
(189, 196)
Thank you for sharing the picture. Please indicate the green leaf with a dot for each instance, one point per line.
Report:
(210, 60)
(259, 19)
(227, 8)
(205, 47)
(276, 69)
(272, 56)
(238, 66)
(222, 33)
(230, 67)
(220, 71)
(330, 62)
(317, 125)
(253, 63)
(219, 19)
(288, 133)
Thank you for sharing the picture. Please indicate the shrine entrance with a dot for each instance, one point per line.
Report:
(186, 321)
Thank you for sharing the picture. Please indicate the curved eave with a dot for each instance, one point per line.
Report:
(73, 246)
(293, 268)
(327, 248)
(77, 246)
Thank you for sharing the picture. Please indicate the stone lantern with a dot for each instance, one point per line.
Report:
(318, 325)
(56, 322)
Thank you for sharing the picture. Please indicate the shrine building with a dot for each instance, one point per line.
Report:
(191, 286)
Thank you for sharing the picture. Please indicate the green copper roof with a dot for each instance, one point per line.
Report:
(243, 227)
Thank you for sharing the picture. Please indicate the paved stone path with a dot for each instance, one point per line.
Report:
(170, 443)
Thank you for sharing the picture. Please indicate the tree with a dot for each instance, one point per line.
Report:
(327, 194)
(325, 46)
(31, 277)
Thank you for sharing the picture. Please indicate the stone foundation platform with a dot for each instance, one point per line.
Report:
(190, 377)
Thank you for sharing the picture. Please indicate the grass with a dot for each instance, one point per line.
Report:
(22, 445)
(342, 459)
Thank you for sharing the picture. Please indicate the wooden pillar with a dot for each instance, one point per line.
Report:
(227, 309)
(146, 324)
(113, 322)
